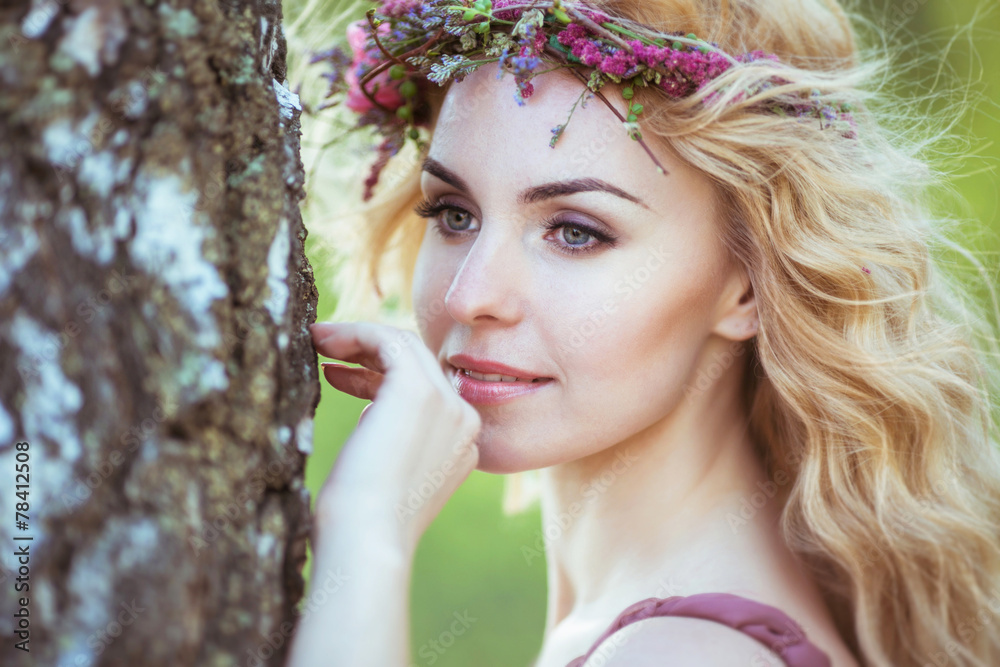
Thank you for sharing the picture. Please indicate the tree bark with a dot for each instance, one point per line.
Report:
(154, 349)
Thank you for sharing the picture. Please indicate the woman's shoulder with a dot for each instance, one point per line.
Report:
(705, 629)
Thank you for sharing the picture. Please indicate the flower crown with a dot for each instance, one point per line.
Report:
(403, 46)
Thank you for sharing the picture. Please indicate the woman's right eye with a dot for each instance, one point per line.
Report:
(450, 220)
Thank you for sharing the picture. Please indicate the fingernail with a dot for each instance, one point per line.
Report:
(318, 328)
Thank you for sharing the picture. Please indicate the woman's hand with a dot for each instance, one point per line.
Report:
(414, 444)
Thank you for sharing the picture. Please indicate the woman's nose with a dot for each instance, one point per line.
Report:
(487, 284)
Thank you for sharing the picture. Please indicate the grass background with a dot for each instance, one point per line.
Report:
(470, 560)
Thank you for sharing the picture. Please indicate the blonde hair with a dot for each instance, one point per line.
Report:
(870, 388)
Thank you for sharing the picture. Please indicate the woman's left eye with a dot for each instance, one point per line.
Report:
(574, 235)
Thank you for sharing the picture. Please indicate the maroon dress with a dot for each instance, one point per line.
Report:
(768, 625)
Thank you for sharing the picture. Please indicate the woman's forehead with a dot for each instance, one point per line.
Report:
(481, 103)
(483, 133)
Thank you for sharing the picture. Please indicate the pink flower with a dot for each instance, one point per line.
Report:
(364, 60)
(509, 15)
(397, 8)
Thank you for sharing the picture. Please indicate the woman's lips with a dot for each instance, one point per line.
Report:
(486, 392)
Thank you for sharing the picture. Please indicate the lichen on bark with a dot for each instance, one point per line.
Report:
(154, 305)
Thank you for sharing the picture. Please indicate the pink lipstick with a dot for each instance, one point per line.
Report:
(486, 382)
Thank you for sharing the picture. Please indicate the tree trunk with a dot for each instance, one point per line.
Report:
(154, 350)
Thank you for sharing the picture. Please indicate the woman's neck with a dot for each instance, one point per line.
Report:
(672, 510)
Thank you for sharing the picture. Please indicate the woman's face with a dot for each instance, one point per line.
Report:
(578, 263)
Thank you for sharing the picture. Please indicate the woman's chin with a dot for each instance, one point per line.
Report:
(499, 458)
(497, 463)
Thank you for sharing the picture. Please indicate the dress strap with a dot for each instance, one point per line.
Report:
(768, 625)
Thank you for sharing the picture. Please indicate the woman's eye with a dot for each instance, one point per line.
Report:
(452, 221)
(577, 238)
(456, 219)
(449, 220)
(575, 235)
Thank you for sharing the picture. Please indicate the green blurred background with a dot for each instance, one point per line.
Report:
(470, 560)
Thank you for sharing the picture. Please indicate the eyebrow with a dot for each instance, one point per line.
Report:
(535, 193)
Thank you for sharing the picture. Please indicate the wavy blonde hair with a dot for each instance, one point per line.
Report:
(871, 389)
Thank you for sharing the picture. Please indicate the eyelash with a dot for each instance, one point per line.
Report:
(429, 209)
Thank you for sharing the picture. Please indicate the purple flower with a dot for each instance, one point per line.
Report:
(501, 62)
(397, 8)
(533, 41)
(617, 63)
(508, 15)
(524, 90)
(523, 65)
(573, 33)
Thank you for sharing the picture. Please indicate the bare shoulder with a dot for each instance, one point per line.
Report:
(681, 641)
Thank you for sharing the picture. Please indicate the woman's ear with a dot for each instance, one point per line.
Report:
(738, 319)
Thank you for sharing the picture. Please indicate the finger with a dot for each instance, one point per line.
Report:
(358, 382)
(334, 348)
(369, 361)
(387, 346)
(407, 346)
(340, 340)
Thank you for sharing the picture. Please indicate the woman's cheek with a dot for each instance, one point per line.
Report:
(430, 285)
(432, 319)
(639, 339)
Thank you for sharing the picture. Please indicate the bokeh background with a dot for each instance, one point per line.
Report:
(474, 561)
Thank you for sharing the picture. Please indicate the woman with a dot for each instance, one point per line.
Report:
(748, 335)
